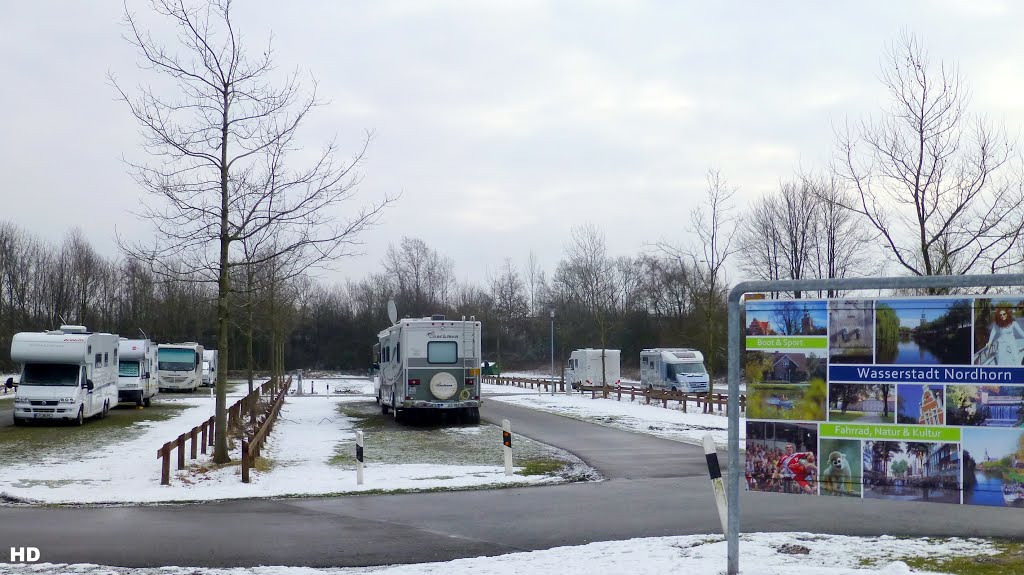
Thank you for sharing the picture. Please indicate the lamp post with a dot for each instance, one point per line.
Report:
(552, 352)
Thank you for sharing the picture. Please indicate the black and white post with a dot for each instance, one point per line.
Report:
(717, 484)
(359, 458)
(506, 439)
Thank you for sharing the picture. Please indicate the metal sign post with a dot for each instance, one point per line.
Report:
(735, 339)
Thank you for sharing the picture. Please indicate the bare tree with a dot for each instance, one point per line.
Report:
(842, 246)
(533, 278)
(510, 300)
(423, 280)
(587, 276)
(714, 221)
(801, 231)
(936, 183)
(220, 173)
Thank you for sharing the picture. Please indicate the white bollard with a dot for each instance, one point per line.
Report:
(506, 439)
(715, 471)
(359, 458)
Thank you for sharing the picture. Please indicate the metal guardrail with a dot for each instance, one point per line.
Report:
(206, 431)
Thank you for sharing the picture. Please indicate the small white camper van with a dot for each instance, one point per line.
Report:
(674, 369)
(68, 374)
(179, 366)
(430, 364)
(209, 367)
(136, 377)
(585, 367)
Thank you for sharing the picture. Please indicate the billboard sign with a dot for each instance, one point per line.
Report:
(911, 399)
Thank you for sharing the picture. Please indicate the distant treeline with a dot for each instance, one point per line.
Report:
(633, 302)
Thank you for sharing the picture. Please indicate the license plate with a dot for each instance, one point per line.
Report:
(43, 415)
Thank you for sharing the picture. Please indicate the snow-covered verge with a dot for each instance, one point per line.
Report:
(760, 554)
(298, 453)
(688, 426)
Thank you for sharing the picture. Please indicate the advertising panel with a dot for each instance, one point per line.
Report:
(911, 399)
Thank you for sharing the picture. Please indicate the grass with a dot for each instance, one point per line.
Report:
(1009, 561)
(541, 467)
(848, 416)
(39, 441)
(440, 443)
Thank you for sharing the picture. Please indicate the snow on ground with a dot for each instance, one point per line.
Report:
(673, 423)
(299, 448)
(760, 554)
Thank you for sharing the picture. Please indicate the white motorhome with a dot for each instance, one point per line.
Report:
(430, 364)
(209, 377)
(136, 367)
(674, 369)
(179, 366)
(584, 367)
(68, 374)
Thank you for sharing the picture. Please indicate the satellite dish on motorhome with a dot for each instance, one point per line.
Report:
(392, 311)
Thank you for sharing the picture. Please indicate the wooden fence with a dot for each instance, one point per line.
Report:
(201, 436)
(251, 448)
(719, 401)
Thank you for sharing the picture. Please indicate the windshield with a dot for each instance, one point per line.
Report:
(687, 368)
(176, 360)
(128, 369)
(50, 374)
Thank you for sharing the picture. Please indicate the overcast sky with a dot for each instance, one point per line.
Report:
(502, 124)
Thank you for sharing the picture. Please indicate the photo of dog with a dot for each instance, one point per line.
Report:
(840, 473)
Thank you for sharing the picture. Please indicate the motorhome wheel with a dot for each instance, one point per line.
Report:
(18, 422)
(399, 415)
(81, 416)
(147, 402)
(106, 410)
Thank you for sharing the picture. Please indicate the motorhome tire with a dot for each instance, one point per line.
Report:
(18, 422)
(474, 415)
(106, 410)
(398, 413)
(147, 402)
(139, 402)
(81, 416)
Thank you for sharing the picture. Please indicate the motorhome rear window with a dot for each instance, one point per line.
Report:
(128, 369)
(442, 352)
(49, 374)
(171, 359)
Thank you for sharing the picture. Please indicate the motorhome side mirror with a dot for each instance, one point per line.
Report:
(89, 385)
(10, 383)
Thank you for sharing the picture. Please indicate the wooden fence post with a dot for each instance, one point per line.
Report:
(165, 465)
(181, 451)
(213, 428)
(245, 461)
(202, 447)
(192, 437)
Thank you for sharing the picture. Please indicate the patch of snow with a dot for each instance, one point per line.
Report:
(760, 554)
(688, 426)
(300, 448)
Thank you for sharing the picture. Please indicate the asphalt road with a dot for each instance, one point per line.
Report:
(655, 487)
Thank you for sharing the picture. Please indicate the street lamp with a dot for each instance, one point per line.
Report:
(552, 352)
